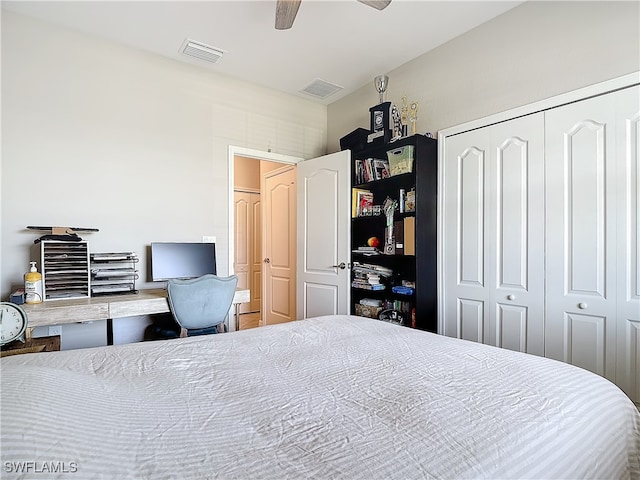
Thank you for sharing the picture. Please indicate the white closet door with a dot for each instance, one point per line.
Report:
(494, 235)
(627, 104)
(518, 209)
(466, 302)
(581, 240)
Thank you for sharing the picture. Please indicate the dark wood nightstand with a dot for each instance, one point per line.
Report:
(31, 345)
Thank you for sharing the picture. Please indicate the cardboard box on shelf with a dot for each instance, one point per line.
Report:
(410, 235)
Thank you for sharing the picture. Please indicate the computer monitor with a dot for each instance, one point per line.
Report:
(182, 260)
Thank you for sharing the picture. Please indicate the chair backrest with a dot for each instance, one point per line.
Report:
(201, 302)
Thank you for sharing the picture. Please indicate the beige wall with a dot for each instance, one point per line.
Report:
(246, 173)
(95, 134)
(535, 51)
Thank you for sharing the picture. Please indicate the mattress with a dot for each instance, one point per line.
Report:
(338, 397)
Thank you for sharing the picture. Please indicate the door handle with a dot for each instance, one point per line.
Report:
(266, 260)
(341, 266)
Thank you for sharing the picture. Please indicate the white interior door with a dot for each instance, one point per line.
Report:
(324, 216)
(581, 242)
(279, 264)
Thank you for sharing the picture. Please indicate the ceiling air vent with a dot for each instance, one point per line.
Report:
(201, 51)
(321, 89)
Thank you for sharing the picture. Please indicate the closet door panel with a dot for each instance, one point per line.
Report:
(256, 254)
(464, 268)
(471, 217)
(471, 319)
(581, 241)
(512, 322)
(586, 342)
(242, 248)
(628, 153)
(518, 234)
(512, 214)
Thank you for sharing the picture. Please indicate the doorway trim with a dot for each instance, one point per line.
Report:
(258, 155)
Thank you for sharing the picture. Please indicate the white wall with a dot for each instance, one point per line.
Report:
(532, 52)
(95, 134)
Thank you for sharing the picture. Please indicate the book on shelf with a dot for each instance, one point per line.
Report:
(367, 251)
(371, 268)
(356, 193)
(381, 169)
(371, 169)
(364, 285)
(363, 203)
(371, 302)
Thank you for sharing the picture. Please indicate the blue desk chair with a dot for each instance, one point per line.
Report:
(199, 305)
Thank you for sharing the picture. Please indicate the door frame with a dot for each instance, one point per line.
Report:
(546, 104)
(234, 150)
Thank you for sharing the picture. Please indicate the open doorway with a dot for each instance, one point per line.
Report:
(262, 234)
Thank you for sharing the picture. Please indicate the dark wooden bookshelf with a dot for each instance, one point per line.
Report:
(420, 269)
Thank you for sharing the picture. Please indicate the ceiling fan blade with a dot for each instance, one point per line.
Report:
(379, 4)
(286, 11)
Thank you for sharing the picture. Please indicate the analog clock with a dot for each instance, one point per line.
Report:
(13, 322)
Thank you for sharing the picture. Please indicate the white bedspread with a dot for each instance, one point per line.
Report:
(331, 397)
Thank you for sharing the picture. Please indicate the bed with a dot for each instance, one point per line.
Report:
(338, 397)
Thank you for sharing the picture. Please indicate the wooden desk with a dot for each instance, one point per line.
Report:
(145, 302)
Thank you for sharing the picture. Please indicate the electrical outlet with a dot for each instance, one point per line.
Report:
(208, 239)
(55, 330)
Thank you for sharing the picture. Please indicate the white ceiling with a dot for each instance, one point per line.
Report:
(343, 42)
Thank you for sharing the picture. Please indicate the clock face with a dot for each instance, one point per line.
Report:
(13, 322)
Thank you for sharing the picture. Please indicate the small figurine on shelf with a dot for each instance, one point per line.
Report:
(396, 120)
(410, 201)
(413, 116)
(404, 116)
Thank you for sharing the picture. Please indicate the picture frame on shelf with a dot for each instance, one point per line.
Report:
(381, 123)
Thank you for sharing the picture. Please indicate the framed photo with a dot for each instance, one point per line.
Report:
(381, 127)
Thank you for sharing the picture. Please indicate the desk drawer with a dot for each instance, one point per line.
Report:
(142, 306)
(49, 314)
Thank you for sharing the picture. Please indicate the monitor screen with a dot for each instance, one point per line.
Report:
(182, 260)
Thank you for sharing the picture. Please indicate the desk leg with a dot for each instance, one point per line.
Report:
(109, 331)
